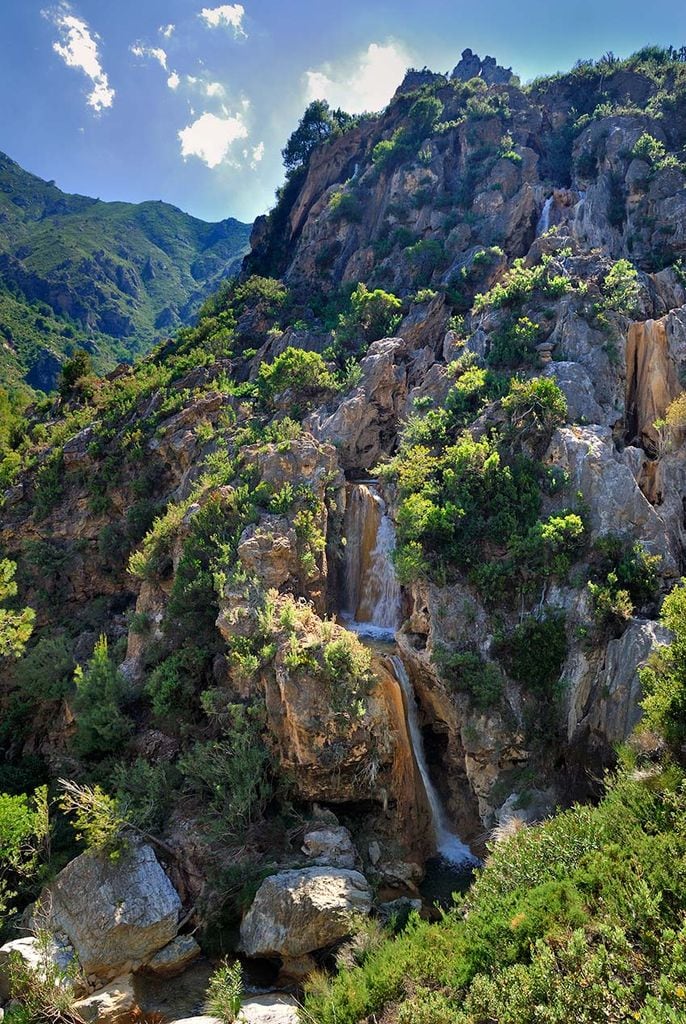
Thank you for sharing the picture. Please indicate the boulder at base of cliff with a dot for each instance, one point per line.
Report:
(117, 914)
(300, 911)
(113, 1004)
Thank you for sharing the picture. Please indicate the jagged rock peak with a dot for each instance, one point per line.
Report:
(471, 66)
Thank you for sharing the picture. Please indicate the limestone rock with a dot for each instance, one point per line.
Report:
(615, 502)
(364, 426)
(175, 957)
(269, 550)
(297, 912)
(604, 701)
(576, 385)
(331, 846)
(114, 912)
(272, 1008)
(109, 1005)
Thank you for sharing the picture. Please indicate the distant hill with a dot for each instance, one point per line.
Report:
(111, 277)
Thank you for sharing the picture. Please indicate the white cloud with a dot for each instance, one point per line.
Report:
(214, 89)
(365, 83)
(210, 137)
(78, 48)
(166, 30)
(258, 152)
(155, 52)
(228, 15)
(173, 81)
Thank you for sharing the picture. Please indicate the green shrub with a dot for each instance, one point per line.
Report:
(171, 684)
(305, 374)
(515, 343)
(664, 677)
(576, 919)
(24, 830)
(46, 671)
(16, 627)
(621, 289)
(535, 651)
(101, 726)
(536, 404)
(654, 152)
(372, 315)
(345, 205)
(230, 774)
(468, 672)
(225, 992)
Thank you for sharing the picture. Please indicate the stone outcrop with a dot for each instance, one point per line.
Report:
(615, 502)
(117, 914)
(299, 912)
(364, 425)
(652, 380)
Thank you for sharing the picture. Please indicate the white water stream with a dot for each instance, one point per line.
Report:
(544, 219)
(373, 611)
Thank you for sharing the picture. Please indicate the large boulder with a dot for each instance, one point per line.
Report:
(297, 912)
(117, 914)
(112, 1004)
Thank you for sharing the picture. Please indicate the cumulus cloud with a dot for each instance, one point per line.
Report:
(78, 48)
(214, 89)
(173, 81)
(155, 52)
(365, 83)
(167, 30)
(210, 137)
(258, 152)
(228, 16)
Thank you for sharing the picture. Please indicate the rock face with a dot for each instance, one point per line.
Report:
(364, 426)
(298, 912)
(652, 380)
(603, 696)
(116, 913)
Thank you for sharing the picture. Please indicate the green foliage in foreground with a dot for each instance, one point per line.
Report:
(224, 992)
(580, 919)
(664, 677)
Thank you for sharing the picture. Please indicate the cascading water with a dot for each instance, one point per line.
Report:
(448, 844)
(544, 219)
(373, 611)
(372, 590)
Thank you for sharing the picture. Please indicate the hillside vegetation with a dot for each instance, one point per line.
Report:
(110, 277)
(471, 308)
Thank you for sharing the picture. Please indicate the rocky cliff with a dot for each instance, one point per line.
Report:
(476, 299)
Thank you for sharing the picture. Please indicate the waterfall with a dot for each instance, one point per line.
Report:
(372, 592)
(544, 219)
(448, 844)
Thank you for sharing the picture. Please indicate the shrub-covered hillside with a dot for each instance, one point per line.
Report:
(113, 277)
(442, 402)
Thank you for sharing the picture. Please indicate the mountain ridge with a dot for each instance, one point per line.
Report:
(112, 277)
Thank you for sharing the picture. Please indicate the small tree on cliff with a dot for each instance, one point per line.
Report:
(15, 626)
(317, 124)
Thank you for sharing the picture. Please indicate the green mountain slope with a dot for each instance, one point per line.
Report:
(111, 277)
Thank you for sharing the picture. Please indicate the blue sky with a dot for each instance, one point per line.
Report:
(191, 101)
